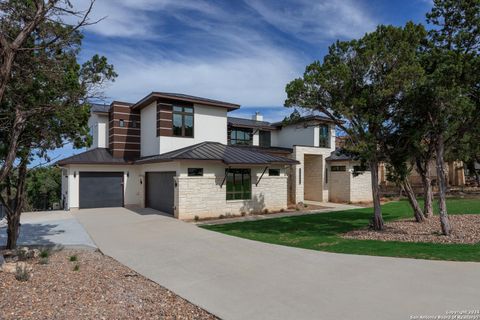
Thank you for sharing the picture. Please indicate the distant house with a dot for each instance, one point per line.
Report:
(183, 155)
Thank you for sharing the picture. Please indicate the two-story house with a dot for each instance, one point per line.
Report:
(185, 156)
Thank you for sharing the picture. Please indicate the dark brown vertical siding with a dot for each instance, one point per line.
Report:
(124, 142)
(164, 119)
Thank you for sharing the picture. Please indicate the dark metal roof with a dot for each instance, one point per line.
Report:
(184, 98)
(215, 151)
(340, 155)
(249, 123)
(101, 108)
(272, 150)
(93, 156)
(304, 119)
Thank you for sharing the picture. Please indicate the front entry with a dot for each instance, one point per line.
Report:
(160, 190)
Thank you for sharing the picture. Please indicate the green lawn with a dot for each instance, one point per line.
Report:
(322, 232)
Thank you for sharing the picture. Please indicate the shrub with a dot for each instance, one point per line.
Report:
(73, 258)
(77, 267)
(243, 213)
(196, 218)
(21, 273)
(44, 254)
(265, 211)
(43, 260)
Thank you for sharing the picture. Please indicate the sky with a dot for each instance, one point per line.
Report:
(239, 51)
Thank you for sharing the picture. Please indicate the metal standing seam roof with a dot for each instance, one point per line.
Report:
(93, 156)
(215, 151)
(250, 123)
(186, 98)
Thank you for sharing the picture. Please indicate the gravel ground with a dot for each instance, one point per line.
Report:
(466, 229)
(102, 288)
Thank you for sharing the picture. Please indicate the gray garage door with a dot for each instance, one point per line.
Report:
(101, 189)
(160, 191)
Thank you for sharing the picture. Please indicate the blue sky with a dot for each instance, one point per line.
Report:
(242, 51)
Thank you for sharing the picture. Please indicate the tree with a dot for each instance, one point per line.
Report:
(448, 98)
(49, 91)
(43, 187)
(27, 26)
(359, 82)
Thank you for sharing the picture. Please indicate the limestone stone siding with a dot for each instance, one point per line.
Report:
(347, 187)
(204, 197)
(361, 187)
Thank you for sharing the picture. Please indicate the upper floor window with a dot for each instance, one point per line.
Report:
(265, 138)
(324, 141)
(241, 136)
(182, 123)
(121, 123)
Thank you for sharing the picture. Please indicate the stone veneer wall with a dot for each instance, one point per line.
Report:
(361, 187)
(203, 197)
(345, 187)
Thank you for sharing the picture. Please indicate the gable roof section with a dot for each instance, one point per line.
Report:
(183, 98)
(93, 156)
(215, 151)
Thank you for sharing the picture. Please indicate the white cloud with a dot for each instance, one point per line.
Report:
(251, 80)
(316, 20)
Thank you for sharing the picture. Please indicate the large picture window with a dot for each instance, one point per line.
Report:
(241, 136)
(239, 184)
(182, 123)
(324, 141)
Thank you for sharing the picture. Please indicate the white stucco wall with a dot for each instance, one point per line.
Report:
(98, 124)
(209, 124)
(300, 135)
(149, 142)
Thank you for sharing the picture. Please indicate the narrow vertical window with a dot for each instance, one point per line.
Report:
(299, 175)
(121, 123)
(182, 122)
(324, 139)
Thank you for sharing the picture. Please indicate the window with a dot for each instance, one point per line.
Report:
(265, 138)
(182, 123)
(324, 141)
(239, 184)
(241, 136)
(195, 172)
(121, 123)
(338, 168)
(299, 175)
(274, 172)
(326, 175)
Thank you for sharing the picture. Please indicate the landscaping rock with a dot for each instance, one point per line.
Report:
(9, 267)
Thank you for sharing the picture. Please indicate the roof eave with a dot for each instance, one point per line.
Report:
(155, 95)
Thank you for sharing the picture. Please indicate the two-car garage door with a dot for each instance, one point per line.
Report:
(101, 189)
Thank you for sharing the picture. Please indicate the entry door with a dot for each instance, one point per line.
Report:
(101, 189)
(160, 191)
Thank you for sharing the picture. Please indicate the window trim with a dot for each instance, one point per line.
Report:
(242, 183)
(269, 134)
(121, 123)
(338, 168)
(183, 113)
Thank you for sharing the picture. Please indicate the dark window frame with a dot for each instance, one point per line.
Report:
(324, 140)
(275, 171)
(183, 114)
(238, 141)
(361, 168)
(121, 123)
(262, 140)
(238, 184)
(338, 168)
(195, 172)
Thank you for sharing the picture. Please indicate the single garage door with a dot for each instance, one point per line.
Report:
(101, 189)
(160, 191)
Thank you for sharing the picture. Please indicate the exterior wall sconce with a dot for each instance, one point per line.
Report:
(74, 174)
(141, 182)
(128, 174)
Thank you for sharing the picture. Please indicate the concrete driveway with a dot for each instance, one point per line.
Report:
(236, 278)
(50, 228)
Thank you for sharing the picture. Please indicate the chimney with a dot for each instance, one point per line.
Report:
(257, 116)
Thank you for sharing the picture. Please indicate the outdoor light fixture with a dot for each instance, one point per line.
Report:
(74, 174)
(128, 174)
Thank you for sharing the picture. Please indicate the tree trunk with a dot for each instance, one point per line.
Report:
(422, 168)
(13, 230)
(442, 186)
(17, 130)
(377, 210)
(15, 206)
(417, 212)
